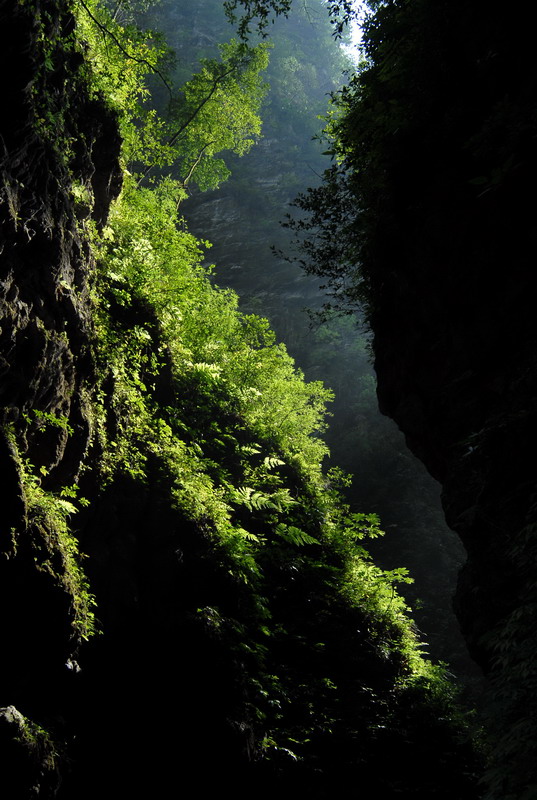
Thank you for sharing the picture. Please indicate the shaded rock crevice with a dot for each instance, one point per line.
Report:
(46, 366)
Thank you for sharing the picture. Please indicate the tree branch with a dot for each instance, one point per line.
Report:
(171, 141)
(116, 41)
(195, 164)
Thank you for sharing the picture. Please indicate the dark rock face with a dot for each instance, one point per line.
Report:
(28, 757)
(44, 342)
(46, 365)
(466, 403)
(476, 432)
(456, 334)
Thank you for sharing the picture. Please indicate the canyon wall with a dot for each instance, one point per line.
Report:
(450, 255)
(225, 627)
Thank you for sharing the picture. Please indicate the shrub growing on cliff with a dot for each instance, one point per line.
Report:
(56, 549)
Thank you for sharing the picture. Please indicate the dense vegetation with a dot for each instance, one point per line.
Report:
(242, 220)
(227, 587)
(422, 220)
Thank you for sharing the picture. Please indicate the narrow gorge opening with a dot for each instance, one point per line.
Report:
(187, 585)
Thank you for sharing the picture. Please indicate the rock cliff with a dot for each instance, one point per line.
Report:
(46, 363)
(241, 638)
(452, 270)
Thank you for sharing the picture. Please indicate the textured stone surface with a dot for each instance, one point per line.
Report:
(46, 365)
(455, 346)
(27, 758)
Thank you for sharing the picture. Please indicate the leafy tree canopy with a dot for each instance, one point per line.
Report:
(213, 112)
(260, 11)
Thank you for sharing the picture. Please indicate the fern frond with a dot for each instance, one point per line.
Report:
(271, 461)
(294, 535)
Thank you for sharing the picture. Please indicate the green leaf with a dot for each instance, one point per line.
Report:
(295, 535)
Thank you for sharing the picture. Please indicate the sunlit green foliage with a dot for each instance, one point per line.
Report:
(118, 60)
(215, 111)
(150, 261)
(56, 549)
(200, 401)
